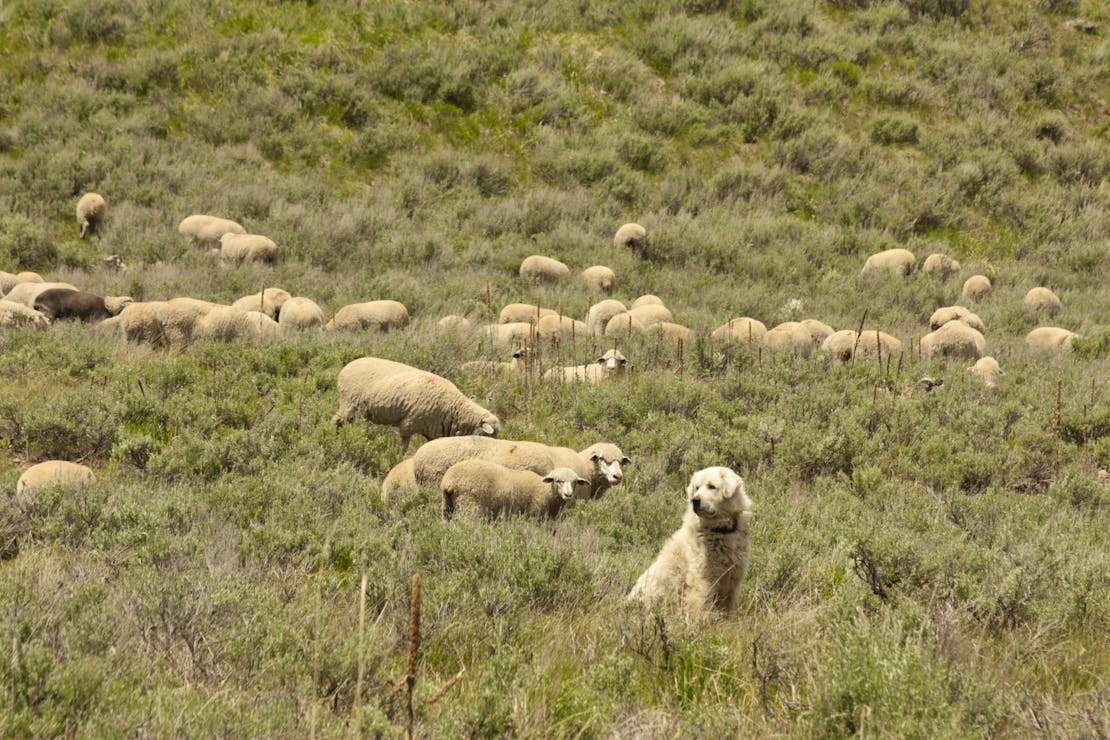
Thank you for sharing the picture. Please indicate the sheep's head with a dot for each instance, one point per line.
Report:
(613, 361)
(566, 484)
(606, 459)
(489, 426)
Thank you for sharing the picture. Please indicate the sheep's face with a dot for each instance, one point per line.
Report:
(613, 361)
(718, 494)
(565, 484)
(609, 469)
(490, 426)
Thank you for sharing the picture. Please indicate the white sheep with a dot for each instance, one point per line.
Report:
(647, 299)
(9, 280)
(300, 313)
(609, 364)
(228, 324)
(845, 344)
(543, 268)
(898, 261)
(238, 249)
(1050, 339)
(413, 400)
(13, 315)
(205, 231)
(672, 331)
(90, 214)
(976, 288)
(399, 478)
(268, 301)
(941, 266)
(484, 487)
(650, 314)
(380, 315)
(742, 330)
(630, 235)
(27, 292)
(988, 370)
(512, 335)
(53, 472)
(563, 327)
(1042, 299)
(455, 323)
(943, 315)
(161, 323)
(624, 325)
(818, 330)
(516, 313)
(954, 339)
(599, 278)
(515, 366)
(599, 314)
(791, 337)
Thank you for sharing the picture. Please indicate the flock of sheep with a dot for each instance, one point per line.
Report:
(474, 470)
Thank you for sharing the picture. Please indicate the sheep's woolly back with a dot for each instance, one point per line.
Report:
(940, 265)
(13, 315)
(164, 323)
(228, 324)
(380, 315)
(790, 336)
(399, 478)
(624, 325)
(236, 249)
(988, 370)
(599, 278)
(650, 314)
(897, 261)
(976, 288)
(300, 313)
(742, 329)
(844, 344)
(1042, 299)
(27, 292)
(1050, 339)
(629, 235)
(600, 313)
(516, 313)
(205, 231)
(268, 301)
(454, 323)
(9, 281)
(954, 339)
(433, 458)
(495, 490)
(561, 326)
(543, 268)
(90, 213)
(61, 472)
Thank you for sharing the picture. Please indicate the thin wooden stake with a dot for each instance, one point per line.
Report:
(361, 635)
(414, 651)
(1059, 394)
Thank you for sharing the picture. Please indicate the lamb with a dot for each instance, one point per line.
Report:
(599, 278)
(1050, 339)
(941, 266)
(14, 315)
(516, 366)
(790, 336)
(413, 400)
(609, 364)
(238, 249)
(484, 487)
(63, 303)
(300, 313)
(53, 472)
(90, 214)
(976, 288)
(954, 339)
(742, 329)
(27, 292)
(268, 300)
(543, 268)
(987, 369)
(630, 235)
(206, 231)
(9, 281)
(1042, 299)
(599, 314)
(516, 313)
(942, 316)
(898, 261)
(378, 315)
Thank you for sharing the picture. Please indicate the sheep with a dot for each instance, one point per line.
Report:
(237, 249)
(163, 323)
(516, 334)
(671, 330)
(543, 268)
(399, 478)
(790, 336)
(90, 214)
(53, 472)
(550, 327)
(300, 313)
(650, 314)
(1042, 299)
(413, 400)
(976, 288)
(454, 323)
(818, 331)
(13, 315)
(1050, 339)
(610, 363)
(630, 235)
(205, 231)
(987, 369)
(943, 315)
(941, 266)
(647, 300)
(379, 315)
(268, 300)
(9, 281)
(623, 326)
(845, 344)
(516, 366)
(742, 329)
(516, 313)
(27, 292)
(63, 303)
(898, 261)
(228, 324)
(484, 487)
(600, 313)
(599, 278)
(954, 339)
(605, 460)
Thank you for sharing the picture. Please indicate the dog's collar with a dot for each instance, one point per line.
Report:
(730, 529)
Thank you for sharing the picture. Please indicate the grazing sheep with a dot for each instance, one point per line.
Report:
(647, 299)
(90, 214)
(516, 313)
(670, 330)
(790, 336)
(623, 326)
(484, 487)
(954, 339)
(599, 314)
(630, 235)
(976, 288)
(516, 366)
(413, 400)
(543, 268)
(563, 327)
(205, 231)
(53, 472)
(9, 281)
(941, 266)
(237, 249)
(63, 303)
(269, 301)
(610, 363)
(229, 324)
(399, 478)
(516, 334)
(942, 316)
(845, 344)
(1042, 299)
(818, 331)
(742, 330)
(163, 323)
(1050, 339)
(300, 313)
(14, 315)
(701, 566)
(454, 323)
(27, 292)
(650, 314)
(599, 278)
(898, 261)
(379, 315)
(988, 370)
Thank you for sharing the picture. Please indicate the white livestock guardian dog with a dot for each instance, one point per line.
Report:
(702, 564)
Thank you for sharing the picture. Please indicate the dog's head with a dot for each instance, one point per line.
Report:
(717, 495)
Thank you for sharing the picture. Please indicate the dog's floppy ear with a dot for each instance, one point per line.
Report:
(733, 483)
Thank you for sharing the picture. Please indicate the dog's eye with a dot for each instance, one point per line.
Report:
(711, 486)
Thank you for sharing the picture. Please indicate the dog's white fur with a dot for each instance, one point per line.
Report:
(702, 564)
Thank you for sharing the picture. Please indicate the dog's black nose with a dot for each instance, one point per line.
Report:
(696, 503)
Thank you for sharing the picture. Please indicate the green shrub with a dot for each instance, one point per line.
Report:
(894, 128)
(24, 245)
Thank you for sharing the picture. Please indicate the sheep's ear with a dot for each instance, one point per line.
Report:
(487, 427)
(582, 482)
(548, 479)
(625, 461)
